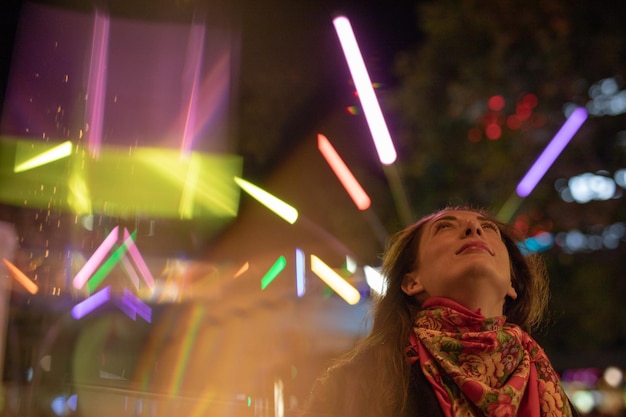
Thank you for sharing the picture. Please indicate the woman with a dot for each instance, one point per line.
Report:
(449, 336)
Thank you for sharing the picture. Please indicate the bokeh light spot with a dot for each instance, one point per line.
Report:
(493, 131)
(496, 103)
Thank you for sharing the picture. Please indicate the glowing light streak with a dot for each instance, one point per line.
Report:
(20, 277)
(242, 270)
(96, 83)
(551, 152)
(78, 198)
(89, 304)
(375, 280)
(58, 152)
(133, 306)
(342, 287)
(195, 55)
(279, 398)
(341, 170)
(93, 278)
(350, 265)
(505, 214)
(189, 187)
(194, 321)
(279, 207)
(142, 309)
(129, 304)
(130, 271)
(538, 243)
(162, 330)
(273, 272)
(201, 186)
(399, 194)
(129, 243)
(300, 272)
(104, 270)
(98, 256)
(126, 307)
(119, 254)
(371, 108)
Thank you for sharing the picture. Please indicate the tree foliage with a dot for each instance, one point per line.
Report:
(551, 50)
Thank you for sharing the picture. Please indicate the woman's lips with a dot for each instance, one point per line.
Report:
(475, 246)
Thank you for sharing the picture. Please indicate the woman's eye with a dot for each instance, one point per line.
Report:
(442, 225)
(491, 226)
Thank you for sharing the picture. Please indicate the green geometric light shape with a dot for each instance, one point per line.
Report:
(273, 272)
(104, 270)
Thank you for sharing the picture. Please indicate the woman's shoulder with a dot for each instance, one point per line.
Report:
(339, 390)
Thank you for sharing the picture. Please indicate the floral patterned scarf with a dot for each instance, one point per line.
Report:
(484, 366)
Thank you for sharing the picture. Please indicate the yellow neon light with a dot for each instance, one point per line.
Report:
(282, 209)
(342, 287)
(58, 152)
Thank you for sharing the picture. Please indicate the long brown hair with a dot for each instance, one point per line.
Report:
(378, 361)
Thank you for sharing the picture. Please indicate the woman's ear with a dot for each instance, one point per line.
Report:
(411, 284)
(511, 292)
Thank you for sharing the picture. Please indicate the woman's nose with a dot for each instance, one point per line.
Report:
(473, 227)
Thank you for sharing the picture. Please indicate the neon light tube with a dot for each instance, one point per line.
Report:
(273, 272)
(342, 287)
(282, 209)
(242, 270)
(551, 152)
(375, 280)
(89, 304)
(369, 102)
(300, 273)
(350, 265)
(20, 277)
(92, 263)
(341, 170)
(58, 152)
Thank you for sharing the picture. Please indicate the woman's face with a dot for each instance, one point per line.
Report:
(461, 256)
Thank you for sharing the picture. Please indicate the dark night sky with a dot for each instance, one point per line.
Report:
(392, 25)
(8, 24)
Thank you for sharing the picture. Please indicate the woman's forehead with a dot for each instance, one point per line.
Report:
(457, 214)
